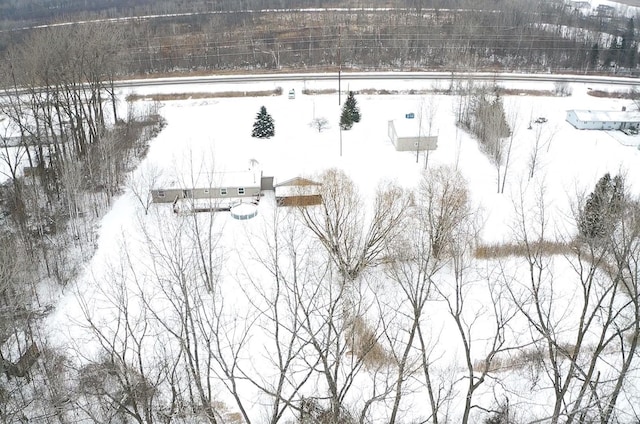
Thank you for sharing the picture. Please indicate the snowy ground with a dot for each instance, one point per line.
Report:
(218, 131)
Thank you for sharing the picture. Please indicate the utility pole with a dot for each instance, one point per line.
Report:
(339, 66)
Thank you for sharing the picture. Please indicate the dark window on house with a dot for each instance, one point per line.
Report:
(240, 190)
(160, 193)
(223, 192)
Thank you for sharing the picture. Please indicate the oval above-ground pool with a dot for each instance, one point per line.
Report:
(244, 211)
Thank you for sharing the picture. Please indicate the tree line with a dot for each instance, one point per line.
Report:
(65, 151)
(485, 35)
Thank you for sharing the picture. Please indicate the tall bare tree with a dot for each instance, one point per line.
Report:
(354, 240)
(425, 247)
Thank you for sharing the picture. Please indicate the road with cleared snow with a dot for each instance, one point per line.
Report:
(354, 76)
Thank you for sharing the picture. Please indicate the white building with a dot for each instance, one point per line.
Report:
(408, 135)
(603, 119)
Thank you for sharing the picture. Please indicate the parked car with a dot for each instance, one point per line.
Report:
(541, 120)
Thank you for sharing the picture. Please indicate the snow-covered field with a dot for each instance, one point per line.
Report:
(216, 132)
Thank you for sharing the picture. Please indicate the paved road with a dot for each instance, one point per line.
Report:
(351, 76)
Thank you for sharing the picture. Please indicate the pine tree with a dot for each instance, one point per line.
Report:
(603, 207)
(352, 106)
(594, 56)
(628, 46)
(345, 119)
(264, 126)
(350, 112)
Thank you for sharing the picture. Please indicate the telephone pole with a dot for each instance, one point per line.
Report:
(339, 65)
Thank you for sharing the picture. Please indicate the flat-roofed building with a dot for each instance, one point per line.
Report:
(603, 119)
(408, 135)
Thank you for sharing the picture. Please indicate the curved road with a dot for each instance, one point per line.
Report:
(351, 76)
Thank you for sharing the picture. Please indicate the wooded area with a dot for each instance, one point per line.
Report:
(229, 36)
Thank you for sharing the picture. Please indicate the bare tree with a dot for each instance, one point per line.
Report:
(186, 307)
(427, 110)
(283, 252)
(353, 240)
(481, 112)
(415, 258)
(562, 89)
(543, 137)
(513, 125)
(320, 124)
(140, 183)
(123, 378)
(492, 128)
(625, 256)
(444, 196)
(456, 293)
(576, 336)
(343, 340)
(634, 94)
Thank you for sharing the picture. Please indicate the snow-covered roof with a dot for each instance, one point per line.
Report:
(297, 186)
(297, 182)
(606, 115)
(214, 179)
(410, 127)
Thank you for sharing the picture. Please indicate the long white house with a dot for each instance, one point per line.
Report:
(603, 119)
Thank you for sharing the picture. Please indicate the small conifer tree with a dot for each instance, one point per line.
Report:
(264, 126)
(350, 112)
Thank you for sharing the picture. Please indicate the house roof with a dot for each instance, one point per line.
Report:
(410, 127)
(213, 180)
(297, 182)
(297, 186)
(606, 115)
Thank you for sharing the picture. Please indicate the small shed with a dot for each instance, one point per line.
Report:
(407, 135)
(298, 191)
(603, 120)
(219, 185)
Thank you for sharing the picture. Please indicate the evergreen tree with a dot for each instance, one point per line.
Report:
(628, 46)
(350, 112)
(264, 126)
(602, 209)
(594, 56)
(345, 119)
(352, 106)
